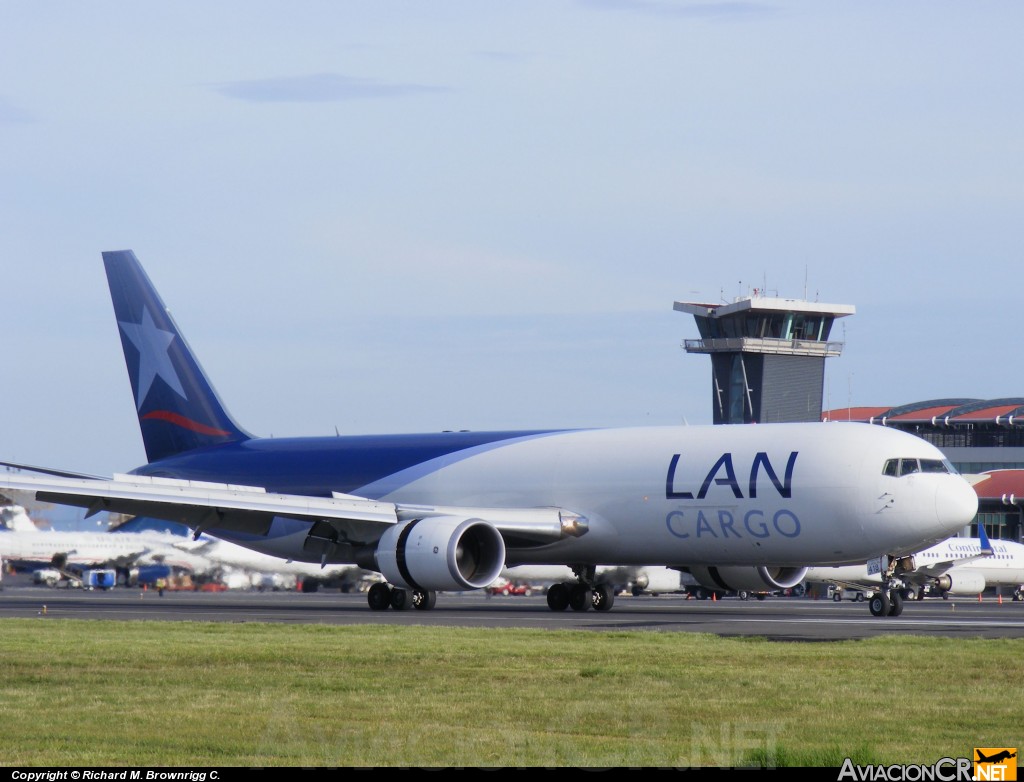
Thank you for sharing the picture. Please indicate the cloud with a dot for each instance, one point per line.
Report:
(319, 88)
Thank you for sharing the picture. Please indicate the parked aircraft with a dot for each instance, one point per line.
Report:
(215, 557)
(25, 546)
(957, 566)
(741, 506)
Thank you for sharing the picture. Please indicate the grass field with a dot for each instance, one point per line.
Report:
(76, 693)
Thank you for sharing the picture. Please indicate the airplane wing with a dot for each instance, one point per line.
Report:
(251, 509)
(49, 470)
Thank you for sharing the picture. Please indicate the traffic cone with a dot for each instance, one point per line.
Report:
(979, 597)
(1000, 598)
(714, 596)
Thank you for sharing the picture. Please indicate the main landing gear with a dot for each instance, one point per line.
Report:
(383, 596)
(583, 594)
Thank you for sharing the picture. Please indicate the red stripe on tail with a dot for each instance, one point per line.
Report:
(186, 423)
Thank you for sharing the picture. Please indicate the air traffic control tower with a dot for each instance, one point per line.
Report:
(767, 356)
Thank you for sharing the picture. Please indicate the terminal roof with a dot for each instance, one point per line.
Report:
(938, 412)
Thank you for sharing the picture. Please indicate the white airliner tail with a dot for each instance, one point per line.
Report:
(16, 519)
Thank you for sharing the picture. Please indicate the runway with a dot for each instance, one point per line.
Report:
(781, 619)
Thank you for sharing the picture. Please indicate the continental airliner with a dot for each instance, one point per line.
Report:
(958, 566)
(739, 506)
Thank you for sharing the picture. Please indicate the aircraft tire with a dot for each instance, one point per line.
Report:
(424, 599)
(743, 594)
(580, 598)
(896, 604)
(879, 604)
(400, 599)
(379, 597)
(603, 597)
(558, 597)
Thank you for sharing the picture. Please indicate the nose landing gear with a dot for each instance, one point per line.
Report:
(888, 602)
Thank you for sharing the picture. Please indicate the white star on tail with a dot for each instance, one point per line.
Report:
(153, 357)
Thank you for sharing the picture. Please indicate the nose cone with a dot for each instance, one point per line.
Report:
(956, 505)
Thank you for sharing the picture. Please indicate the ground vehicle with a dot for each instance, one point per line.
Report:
(52, 577)
(502, 587)
(795, 591)
(104, 579)
(856, 595)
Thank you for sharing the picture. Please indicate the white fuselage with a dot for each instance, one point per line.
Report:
(779, 494)
(93, 548)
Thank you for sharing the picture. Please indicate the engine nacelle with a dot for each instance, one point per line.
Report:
(751, 579)
(441, 553)
(963, 582)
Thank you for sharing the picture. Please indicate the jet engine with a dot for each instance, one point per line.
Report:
(441, 553)
(961, 583)
(753, 579)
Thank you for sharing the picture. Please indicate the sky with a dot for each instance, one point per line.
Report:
(379, 217)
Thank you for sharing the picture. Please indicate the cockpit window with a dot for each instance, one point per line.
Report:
(897, 467)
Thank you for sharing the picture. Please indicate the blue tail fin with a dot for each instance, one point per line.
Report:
(986, 547)
(178, 408)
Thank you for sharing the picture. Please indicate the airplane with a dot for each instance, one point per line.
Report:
(996, 758)
(740, 506)
(24, 546)
(227, 557)
(957, 566)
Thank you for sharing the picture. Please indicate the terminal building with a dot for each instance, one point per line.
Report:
(768, 364)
